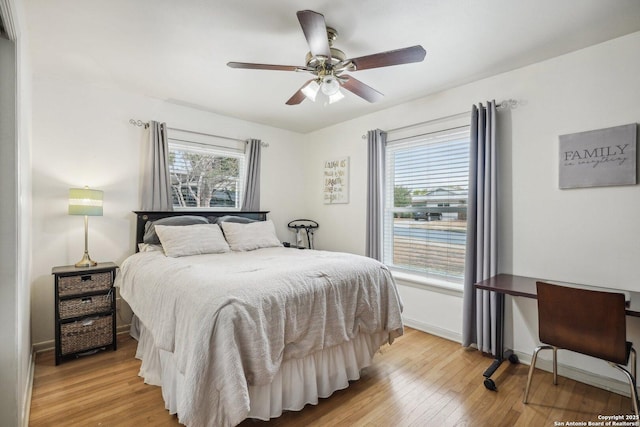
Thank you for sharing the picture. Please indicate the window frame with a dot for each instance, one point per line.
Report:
(459, 131)
(185, 141)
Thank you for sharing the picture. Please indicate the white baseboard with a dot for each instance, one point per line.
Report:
(26, 410)
(44, 346)
(431, 329)
(122, 329)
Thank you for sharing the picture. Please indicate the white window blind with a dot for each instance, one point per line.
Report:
(205, 175)
(425, 215)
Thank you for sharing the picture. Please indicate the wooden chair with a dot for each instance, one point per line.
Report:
(587, 322)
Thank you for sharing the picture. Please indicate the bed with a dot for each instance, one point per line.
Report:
(254, 329)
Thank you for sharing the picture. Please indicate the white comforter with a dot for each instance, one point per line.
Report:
(231, 319)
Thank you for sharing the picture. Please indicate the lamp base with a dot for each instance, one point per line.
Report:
(86, 261)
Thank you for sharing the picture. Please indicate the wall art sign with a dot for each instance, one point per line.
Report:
(599, 158)
(336, 181)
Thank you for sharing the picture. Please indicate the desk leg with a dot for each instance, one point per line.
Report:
(501, 353)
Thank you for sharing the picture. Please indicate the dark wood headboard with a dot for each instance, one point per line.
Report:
(145, 216)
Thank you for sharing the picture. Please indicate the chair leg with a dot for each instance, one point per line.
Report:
(534, 358)
(555, 365)
(632, 384)
(632, 379)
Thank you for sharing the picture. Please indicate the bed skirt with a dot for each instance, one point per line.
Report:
(297, 383)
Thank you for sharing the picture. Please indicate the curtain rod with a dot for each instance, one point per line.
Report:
(207, 134)
(428, 133)
(140, 123)
(503, 105)
(205, 144)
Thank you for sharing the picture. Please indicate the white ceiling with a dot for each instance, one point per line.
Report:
(177, 50)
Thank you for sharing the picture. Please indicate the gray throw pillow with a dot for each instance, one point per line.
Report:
(232, 218)
(150, 235)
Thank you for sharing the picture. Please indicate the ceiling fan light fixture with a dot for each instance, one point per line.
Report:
(330, 85)
(335, 97)
(311, 90)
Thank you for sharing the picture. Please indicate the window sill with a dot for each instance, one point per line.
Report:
(429, 284)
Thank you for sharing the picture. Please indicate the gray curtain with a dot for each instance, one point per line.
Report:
(376, 140)
(156, 182)
(251, 200)
(479, 306)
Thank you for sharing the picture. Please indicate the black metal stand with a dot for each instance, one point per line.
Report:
(308, 225)
(501, 355)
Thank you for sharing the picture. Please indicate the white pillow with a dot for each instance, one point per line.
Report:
(247, 237)
(194, 239)
(148, 247)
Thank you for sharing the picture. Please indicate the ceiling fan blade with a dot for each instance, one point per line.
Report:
(362, 90)
(250, 66)
(299, 96)
(391, 57)
(315, 31)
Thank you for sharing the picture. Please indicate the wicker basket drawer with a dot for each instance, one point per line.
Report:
(84, 305)
(80, 284)
(86, 334)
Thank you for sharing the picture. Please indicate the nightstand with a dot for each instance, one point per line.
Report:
(85, 309)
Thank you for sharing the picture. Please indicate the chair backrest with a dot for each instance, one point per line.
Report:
(585, 321)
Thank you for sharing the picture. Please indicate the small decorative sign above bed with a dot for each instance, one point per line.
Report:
(599, 158)
(336, 181)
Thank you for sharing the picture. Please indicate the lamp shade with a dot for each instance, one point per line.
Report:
(330, 85)
(311, 90)
(84, 201)
(335, 97)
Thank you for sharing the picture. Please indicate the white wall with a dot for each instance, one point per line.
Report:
(584, 235)
(82, 136)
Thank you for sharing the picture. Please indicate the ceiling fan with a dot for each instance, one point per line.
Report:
(327, 64)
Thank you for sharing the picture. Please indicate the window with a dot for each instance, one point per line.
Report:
(425, 215)
(205, 175)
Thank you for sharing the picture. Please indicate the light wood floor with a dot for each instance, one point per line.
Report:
(420, 380)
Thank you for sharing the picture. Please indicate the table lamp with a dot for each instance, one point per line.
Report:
(87, 202)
